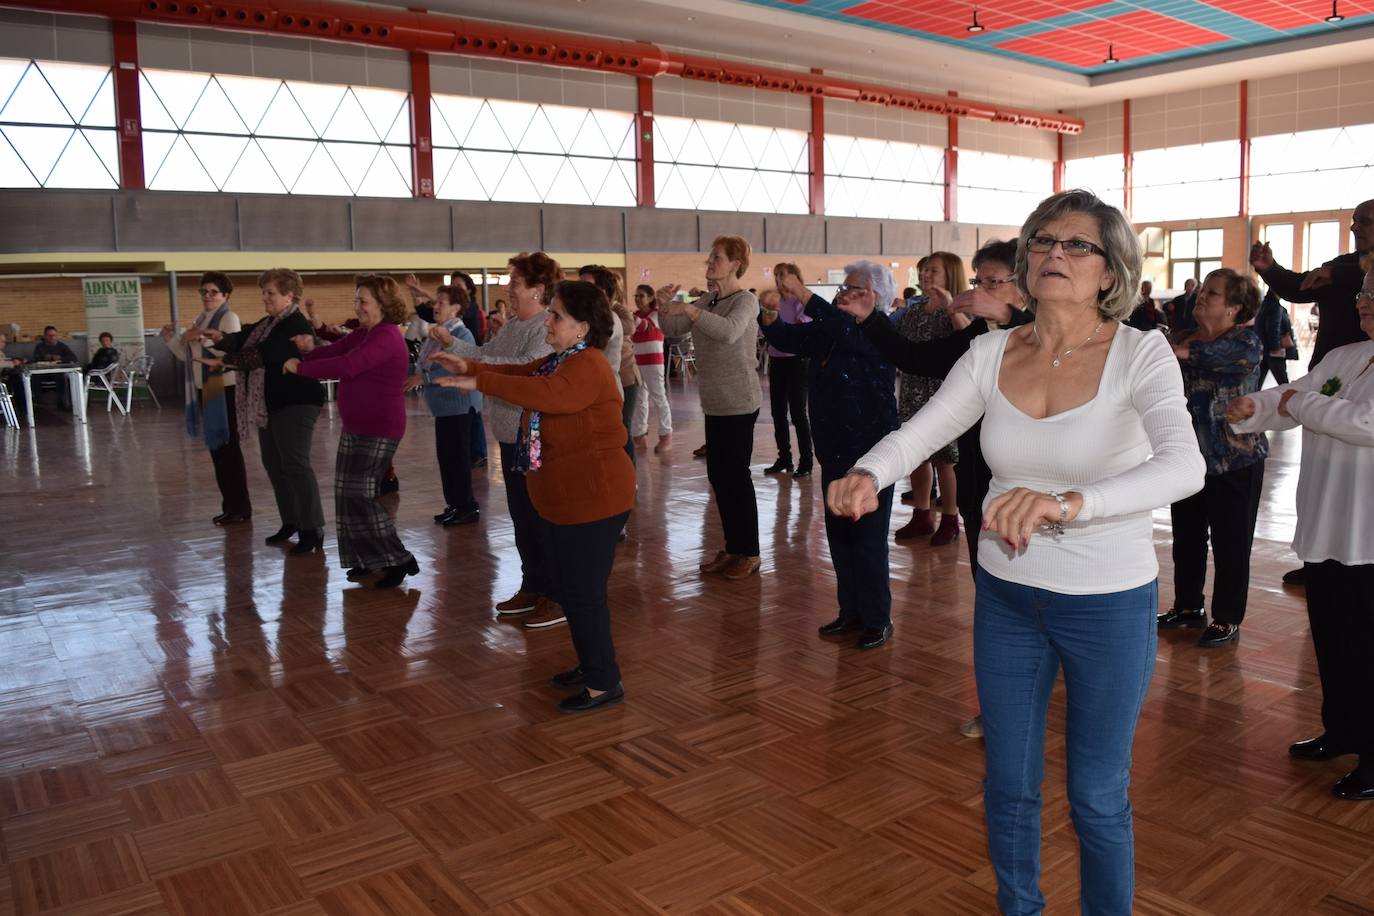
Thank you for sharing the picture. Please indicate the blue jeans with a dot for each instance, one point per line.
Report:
(1106, 646)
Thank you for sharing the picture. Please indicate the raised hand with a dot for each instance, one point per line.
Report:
(979, 303)
(665, 294)
(1261, 256)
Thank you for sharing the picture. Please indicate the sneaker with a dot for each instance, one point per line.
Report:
(546, 614)
(521, 602)
(973, 728)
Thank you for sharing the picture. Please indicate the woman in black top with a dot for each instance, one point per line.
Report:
(280, 408)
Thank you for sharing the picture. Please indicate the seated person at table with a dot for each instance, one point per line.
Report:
(106, 356)
(52, 350)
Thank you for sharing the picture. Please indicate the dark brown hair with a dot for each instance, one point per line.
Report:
(457, 294)
(736, 248)
(1239, 291)
(535, 267)
(221, 280)
(786, 267)
(585, 301)
(605, 279)
(387, 292)
(283, 280)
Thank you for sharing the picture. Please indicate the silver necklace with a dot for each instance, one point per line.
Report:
(1054, 359)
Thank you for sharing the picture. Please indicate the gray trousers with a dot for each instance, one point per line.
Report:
(285, 445)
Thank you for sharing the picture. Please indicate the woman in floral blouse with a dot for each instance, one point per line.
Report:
(1221, 361)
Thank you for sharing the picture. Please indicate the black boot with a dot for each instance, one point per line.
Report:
(395, 574)
(284, 534)
(781, 466)
(310, 541)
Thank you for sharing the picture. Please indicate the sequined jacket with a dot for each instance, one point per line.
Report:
(1215, 372)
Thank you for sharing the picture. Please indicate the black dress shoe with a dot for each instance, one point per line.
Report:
(283, 535)
(389, 485)
(569, 680)
(395, 575)
(778, 467)
(460, 517)
(232, 518)
(838, 627)
(357, 574)
(1319, 749)
(1296, 576)
(1354, 787)
(585, 702)
(310, 541)
(219, 518)
(448, 510)
(1219, 634)
(803, 469)
(1174, 618)
(872, 639)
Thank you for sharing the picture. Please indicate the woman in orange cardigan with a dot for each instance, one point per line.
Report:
(572, 445)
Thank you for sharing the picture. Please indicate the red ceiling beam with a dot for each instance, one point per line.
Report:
(815, 152)
(952, 168)
(127, 108)
(644, 125)
(1245, 149)
(421, 128)
(412, 31)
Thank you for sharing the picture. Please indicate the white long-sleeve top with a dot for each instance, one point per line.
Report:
(1129, 450)
(1336, 478)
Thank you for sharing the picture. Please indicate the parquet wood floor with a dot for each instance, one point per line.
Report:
(193, 723)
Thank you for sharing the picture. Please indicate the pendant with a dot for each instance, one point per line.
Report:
(1055, 364)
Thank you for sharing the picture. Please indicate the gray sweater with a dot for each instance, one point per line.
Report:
(519, 341)
(724, 337)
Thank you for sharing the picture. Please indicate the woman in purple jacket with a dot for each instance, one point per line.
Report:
(371, 365)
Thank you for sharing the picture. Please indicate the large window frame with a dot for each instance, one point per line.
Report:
(1000, 189)
(717, 165)
(57, 125)
(883, 179)
(1193, 254)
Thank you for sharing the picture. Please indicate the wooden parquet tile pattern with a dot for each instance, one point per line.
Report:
(193, 723)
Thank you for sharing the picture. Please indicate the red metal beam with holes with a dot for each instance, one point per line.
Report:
(952, 169)
(1127, 160)
(413, 31)
(644, 126)
(1059, 164)
(421, 130)
(815, 153)
(127, 110)
(1245, 149)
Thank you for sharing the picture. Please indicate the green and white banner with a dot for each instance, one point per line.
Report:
(115, 304)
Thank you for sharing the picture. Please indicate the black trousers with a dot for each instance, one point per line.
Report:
(581, 557)
(230, 475)
(859, 552)
(285, 447)
(1225, 507)
(787, 392)
(452, 436)
(477, 443)
(632, 394)
(1340, 612)
(1277, 365)
(531, 531)
(729, 449)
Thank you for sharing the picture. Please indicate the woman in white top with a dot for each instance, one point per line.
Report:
(1086, 432)
(1334, 405)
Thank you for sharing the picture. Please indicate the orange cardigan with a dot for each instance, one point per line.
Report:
(585, 474)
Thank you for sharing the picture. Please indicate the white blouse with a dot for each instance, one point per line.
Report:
(1129, 450)
(1336, 479)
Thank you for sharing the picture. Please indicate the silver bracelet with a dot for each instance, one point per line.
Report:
(1057, 527)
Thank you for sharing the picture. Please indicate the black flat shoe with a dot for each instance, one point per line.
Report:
(389, 485)
(778, 467)
(219, 518)
(1219, 634)
(310, 541)
(1354, 787)
(394, 575)
(1320, 748)
(357, 574)
(838, 627)
(1296, 576)
(448, 510)
(459, 517)
(872, 639)
(569, 680)
(230, 518)
(1175, 618)
(803, 470)
(585, 702)
(284, 534)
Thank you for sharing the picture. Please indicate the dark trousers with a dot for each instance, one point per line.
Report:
(477, 442)
(451, 439)
(229, 471)
(787, 391)
(859, 552)
(729, 449)
(1340, 612)
(582, 557)
(531, 531)
(1226, 507)
(285, 447)
(627, 412)
(1277, 365)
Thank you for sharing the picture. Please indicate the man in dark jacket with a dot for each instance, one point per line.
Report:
(1181, 308)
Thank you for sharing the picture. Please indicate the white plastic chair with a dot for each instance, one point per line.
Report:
(7, 407)
(139, 372)
(682, 354)
(106, 380)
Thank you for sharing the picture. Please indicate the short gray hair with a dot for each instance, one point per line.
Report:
(1118, 240)
(879, 280)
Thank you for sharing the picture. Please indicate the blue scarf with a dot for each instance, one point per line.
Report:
(529, 448)
(211, 406)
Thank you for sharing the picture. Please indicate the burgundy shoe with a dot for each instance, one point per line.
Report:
(948, 531)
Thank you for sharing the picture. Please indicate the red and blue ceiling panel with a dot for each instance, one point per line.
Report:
(1076, 35)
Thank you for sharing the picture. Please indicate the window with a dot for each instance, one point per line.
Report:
(1312, 170)
(712, 165)
(1193, 254)
(1002, 190)
(1280, 239)
(1105, 176)
(489, 149)
(208, 132)
(880, 179)
(1323, 242)
(57, 126)
(1187, 182)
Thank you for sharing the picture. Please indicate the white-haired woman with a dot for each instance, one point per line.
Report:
(1086, 432)
(852, 405)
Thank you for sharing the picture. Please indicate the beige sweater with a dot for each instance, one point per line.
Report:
(724, 337)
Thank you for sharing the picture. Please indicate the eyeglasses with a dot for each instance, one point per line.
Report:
(844, 289)
(1074, 248)
(206, 292)
(989, 282)
(1364, 294)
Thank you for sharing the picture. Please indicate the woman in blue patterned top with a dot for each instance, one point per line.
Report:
(1221, 360)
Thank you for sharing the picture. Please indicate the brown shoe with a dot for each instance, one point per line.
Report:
(522, 602)
(947, 532)
(699, 452)
(721, 561)
(641, 442)
(547, 614)
(741, 567)
(665, 442)
(921, 524)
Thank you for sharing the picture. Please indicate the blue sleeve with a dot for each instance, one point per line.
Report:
(790, 338)
(1231, 354)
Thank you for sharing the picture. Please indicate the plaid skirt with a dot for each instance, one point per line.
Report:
(366, 532)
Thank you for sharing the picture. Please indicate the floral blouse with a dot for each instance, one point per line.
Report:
(915, 323)
(1215, 372)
